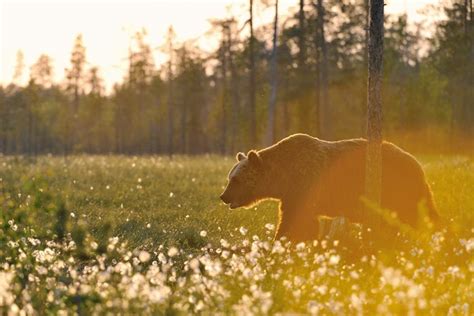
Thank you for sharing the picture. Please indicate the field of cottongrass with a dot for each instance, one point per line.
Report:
(108, 234)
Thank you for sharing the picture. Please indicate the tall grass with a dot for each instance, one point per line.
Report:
(112, 234)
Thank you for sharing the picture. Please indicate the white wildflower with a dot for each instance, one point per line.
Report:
(173, 251)
(144, 256)
(194, 264)
(300, 246)
(334, 260)
(6, 297)
(313, 308)
(269, 226)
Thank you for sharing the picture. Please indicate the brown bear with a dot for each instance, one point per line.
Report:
(313, 177)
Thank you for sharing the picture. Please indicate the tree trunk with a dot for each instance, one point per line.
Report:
(471, 74)
(30, 129)
(252, 101)
(363, 101)
(374, 105)
(224, 96)
(141, 113)
(3, 127)
(465, 17)
(170, 100)
(301, 41)
(117, 134)
(317, 98)
(468, 107)
(184, 128)
(155, 134)
(324, 124)
(75, 120)
(273, 82)
(235, 92)
(170, 118)
(471, 17)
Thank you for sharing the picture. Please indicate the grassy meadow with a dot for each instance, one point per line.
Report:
(116, 234)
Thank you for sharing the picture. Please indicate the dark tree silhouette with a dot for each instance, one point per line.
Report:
(270, 135)
(323, 86)
(170, 40)
(75, 81)
(252, 81)
(374, 104)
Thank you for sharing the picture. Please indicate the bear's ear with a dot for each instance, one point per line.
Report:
(254, 158)
(240, 156)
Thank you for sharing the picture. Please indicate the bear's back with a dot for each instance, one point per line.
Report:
(342, 182)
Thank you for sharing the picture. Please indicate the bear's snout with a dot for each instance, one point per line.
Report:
(224, 198)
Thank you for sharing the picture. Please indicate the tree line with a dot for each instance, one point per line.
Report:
(304, 72)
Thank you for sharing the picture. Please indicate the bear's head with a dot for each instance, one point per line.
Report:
(244, 181)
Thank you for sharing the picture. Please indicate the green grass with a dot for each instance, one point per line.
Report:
(148, 201)
(155, 204)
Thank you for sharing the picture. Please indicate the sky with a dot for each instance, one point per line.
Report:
(49, 27)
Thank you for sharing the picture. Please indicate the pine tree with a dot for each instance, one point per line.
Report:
(75, 82)
(19, 67)
(41, 72)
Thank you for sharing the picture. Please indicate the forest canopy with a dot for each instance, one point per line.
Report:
(304, 72)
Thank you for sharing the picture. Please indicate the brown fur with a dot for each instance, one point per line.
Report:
(312, 177)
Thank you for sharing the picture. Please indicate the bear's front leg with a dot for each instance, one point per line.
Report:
(297, 224)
